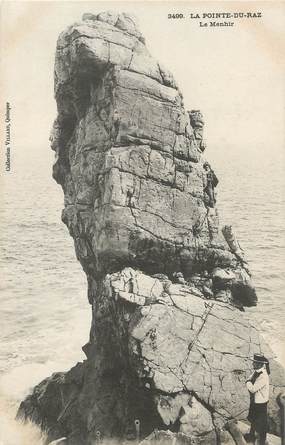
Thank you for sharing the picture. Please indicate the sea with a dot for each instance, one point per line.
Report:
(44, 312)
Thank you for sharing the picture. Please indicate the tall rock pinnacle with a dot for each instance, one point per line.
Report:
(170, 346)
(128, 158)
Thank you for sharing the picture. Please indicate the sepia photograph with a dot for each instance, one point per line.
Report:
(142, 221)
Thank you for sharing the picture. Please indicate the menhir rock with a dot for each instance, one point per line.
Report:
(128, 159)
(169, 344)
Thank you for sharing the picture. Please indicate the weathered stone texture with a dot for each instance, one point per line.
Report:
(127, 156)
(160, 354)
(169, 344)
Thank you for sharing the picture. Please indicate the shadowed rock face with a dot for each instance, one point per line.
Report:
(128, 158)
(169, 344)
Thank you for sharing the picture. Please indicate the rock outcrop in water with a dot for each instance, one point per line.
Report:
(169, 343)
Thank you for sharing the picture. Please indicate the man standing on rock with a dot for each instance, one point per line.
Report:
(258, 387)
(210, 183)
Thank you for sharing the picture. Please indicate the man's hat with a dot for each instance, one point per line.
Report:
(259, 358)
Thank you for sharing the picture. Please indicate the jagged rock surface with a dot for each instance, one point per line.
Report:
(128, 158)
(169, 344)
(160, 354)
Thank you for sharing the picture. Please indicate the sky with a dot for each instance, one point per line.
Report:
(235, 75)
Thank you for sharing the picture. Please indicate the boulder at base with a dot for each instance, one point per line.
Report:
(161, 355)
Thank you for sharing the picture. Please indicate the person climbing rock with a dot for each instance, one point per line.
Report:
(116, 125)
(211, 183)
(258, 387)
(197, 124)
(179, 278)
(130, 199)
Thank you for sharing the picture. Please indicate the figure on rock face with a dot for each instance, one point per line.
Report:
(116, 125)
(197, 123)
(179, 278)
(258, 387)
(211, 183)
(130, 199)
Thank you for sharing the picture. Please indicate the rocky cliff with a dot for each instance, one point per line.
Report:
(170, 345)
